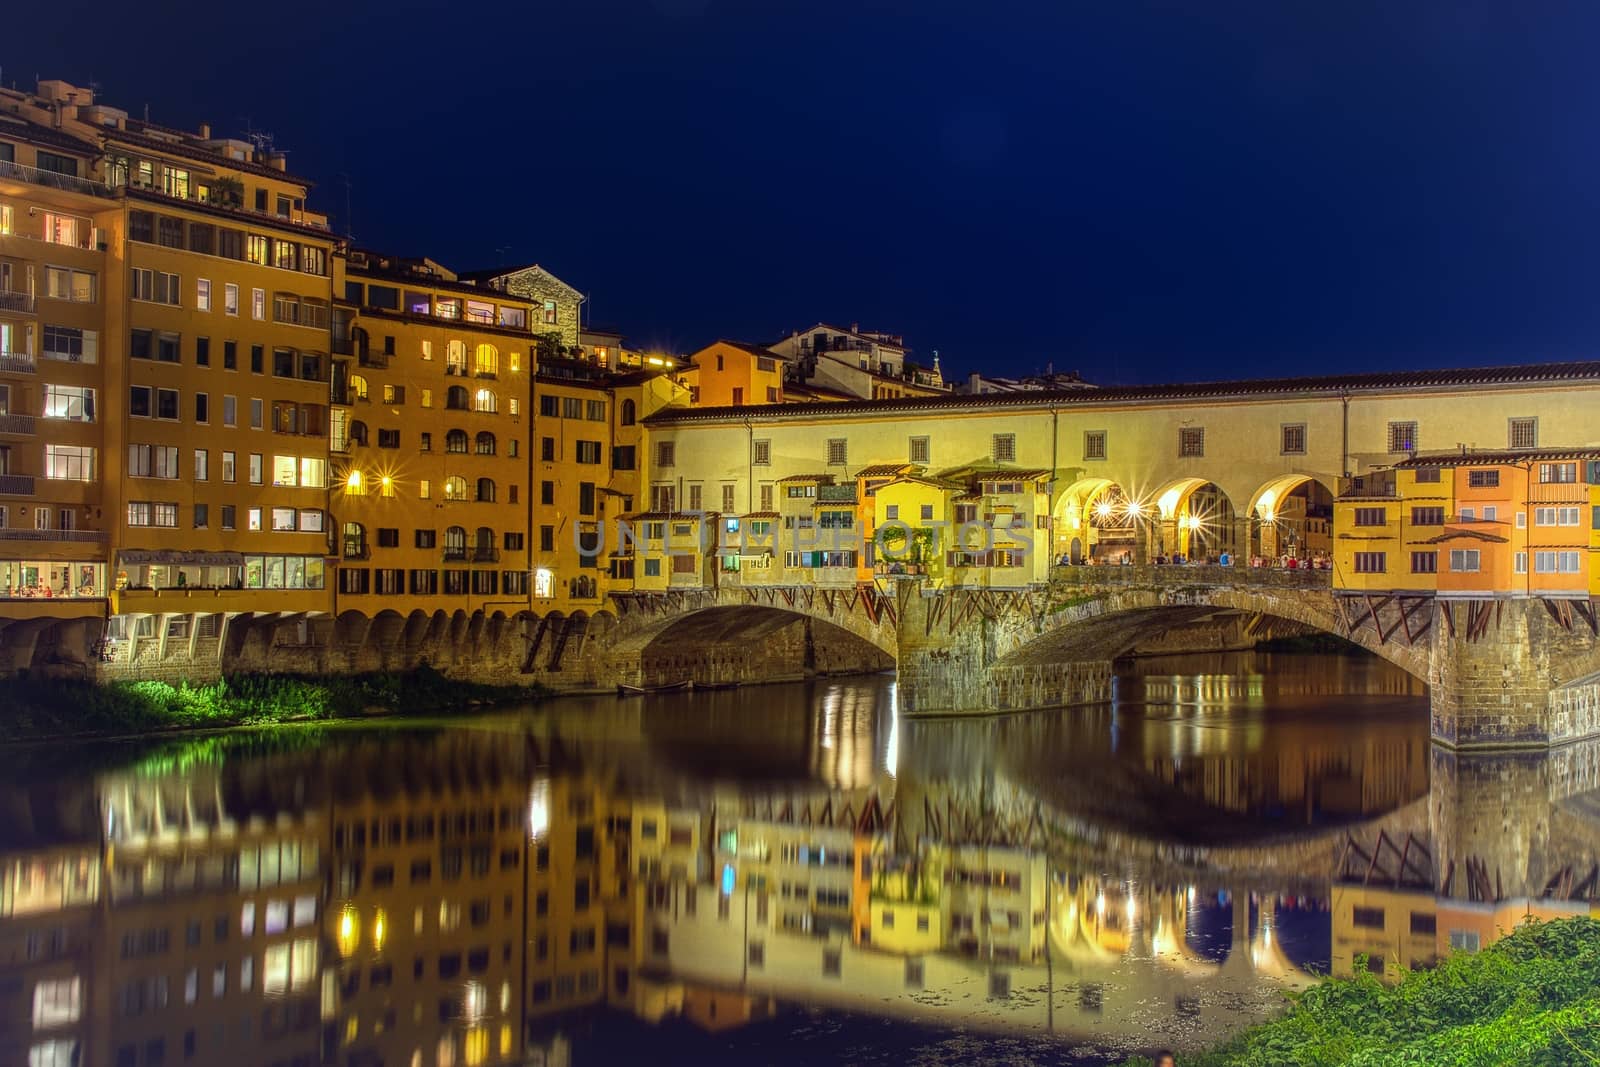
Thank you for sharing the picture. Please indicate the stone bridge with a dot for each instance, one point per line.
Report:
(1501, 672)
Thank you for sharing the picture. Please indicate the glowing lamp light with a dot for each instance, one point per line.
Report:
(1131, 909)
(349, 931)
(352, 481)
(1135, 508)
(539, 809)
(1103, 509)
(1168, 503)
(1267, 516)
(1100, 903)
(380, 930)
(388, 482)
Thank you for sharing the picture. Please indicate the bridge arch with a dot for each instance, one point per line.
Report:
(1197, 519)
(1097, 518)
(1292, 513)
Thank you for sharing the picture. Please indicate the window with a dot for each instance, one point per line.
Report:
(70, 402)
(1293, 439)
(71, 463)
(202, 294)
(1368, 918)
(1372, 516)
(1464, 560)
(1557, 562)
(1371, 563)
(664, 453)
(728, 503)
(1402, 437)
(156, 286)
(76, 286)
(455, 488)
(838, 451)
(1005, 448)
(1520, 563)
(1094, 444)
(1424, 562)
(70, 344)
(1483, 479)
(258, 303)
(1191, 441)
(589, 452)
(230, 411)
(762, 453)
(1558, 472)
(202, 351)
(1429, 516)
(228, 460)
(230, 299)
(255, 468)
(1522, 433)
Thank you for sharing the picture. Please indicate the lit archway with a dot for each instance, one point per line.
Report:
(1096, 519)
(1292, 515)
(1196, 519)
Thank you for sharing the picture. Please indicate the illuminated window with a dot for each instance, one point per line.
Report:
(484, 400)
(455, 488)
(56, 1002)
(486, 361)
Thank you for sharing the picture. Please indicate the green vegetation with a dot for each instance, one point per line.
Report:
(1530, 998)
(34, 708)
(1313, 642)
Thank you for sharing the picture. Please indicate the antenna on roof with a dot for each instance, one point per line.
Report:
(349, 225)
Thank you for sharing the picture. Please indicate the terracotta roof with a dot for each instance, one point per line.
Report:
(747, 348)
(1330, 385)
(884, 470)
(919, 479)
(1010, 475)
(1497, 457)
(761, 515)
(46, 135)
(1471, 535)
(491, 273)
(807, 478)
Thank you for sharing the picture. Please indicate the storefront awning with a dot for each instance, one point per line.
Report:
(175, 557)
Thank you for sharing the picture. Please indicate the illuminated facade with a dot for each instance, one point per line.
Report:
(431, 435)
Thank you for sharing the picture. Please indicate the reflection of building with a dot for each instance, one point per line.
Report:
(426, 916)
(50, 901)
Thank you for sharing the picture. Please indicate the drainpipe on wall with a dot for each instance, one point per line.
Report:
(1344, 436)
(749, 466)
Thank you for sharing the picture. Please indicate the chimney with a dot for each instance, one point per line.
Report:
(278, 161)
(205, 131)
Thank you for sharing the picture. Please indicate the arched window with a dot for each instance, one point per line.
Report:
(485, 443)
(486, 361)
(455, 358)
(358, 432)
(456, 398)
(355, 541)
(455, 441)
(483, 546)
(455, 488)
(486, 490)
(354, 484)
(455, 543)
(358, 387)
(629, 414)
(484, 400)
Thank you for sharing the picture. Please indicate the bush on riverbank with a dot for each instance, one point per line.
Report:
(35, 708)
(1531, 998)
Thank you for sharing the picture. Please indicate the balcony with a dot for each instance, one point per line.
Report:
(16, 302)
(49, 179)
(18, 424)
(76, 536)
(17, 363)
(455, 555)
(16, 485)
(483, 554)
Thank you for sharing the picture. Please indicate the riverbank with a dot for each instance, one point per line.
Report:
(43, 709)
(1530, 998)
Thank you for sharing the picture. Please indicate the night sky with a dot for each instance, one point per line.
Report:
(1140, 191)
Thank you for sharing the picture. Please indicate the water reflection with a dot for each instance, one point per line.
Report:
(1159, 870)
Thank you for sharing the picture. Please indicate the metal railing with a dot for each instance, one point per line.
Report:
(17, 363)
(16, 424)
(49, 179)
(12, 300)
(16, 484)
(80, 536)
(485, 555)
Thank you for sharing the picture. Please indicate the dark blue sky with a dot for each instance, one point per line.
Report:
(1143, 191)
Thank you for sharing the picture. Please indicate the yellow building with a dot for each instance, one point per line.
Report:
(431, 432)
(733, 374)
(59, 283)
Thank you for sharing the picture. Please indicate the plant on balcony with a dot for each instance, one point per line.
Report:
(227, 191)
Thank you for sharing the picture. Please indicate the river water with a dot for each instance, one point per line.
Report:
(783, 874)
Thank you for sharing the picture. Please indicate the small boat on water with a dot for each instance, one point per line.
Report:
(699, 686)
(647, 690)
